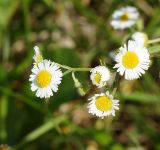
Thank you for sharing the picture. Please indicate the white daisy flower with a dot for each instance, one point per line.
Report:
(140, 38)
(132, 60)
(45, 78)
(103, 105)
(38, 56)
(124, 17)
(99, 76)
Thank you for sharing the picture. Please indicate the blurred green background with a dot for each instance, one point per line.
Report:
(75, 33)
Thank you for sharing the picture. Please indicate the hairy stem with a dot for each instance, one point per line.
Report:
(70, 69)
(154, 41)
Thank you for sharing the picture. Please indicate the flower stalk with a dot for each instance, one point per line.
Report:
(73, 69)
(70, 69)
(154, 41)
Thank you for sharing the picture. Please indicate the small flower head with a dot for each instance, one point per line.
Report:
(45, 78)
(124, 17)
(100, 75)
(140, 38)
(103, 105)
(38, 56)
(132, 60)
(112, 55)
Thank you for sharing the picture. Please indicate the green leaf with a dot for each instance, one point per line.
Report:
(117, 147)
(3, 73)
(64, 56)
(3, 115)
(154, 49)
(7, 9)
(140, 97)
(103, 138)
(49, 3)
(44, 128)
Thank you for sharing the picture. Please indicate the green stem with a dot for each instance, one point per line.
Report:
(6, 45)
(3, 115)
(154, 41)
(46, 106)
(81, 69)
(46, 127)
(70, 69)
(114, 91)
(67, 72)
(64, 66)
(75, 70)
(27, 25)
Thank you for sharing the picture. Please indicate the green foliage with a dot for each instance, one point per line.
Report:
(74, 33)
(7, 10)
(154, 49)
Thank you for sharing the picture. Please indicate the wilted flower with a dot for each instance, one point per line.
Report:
(99, 76)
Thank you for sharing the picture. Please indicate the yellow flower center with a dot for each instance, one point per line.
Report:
(43, 78)
(97, 77)
(124, 17)
(130, 60)
(103, 103)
